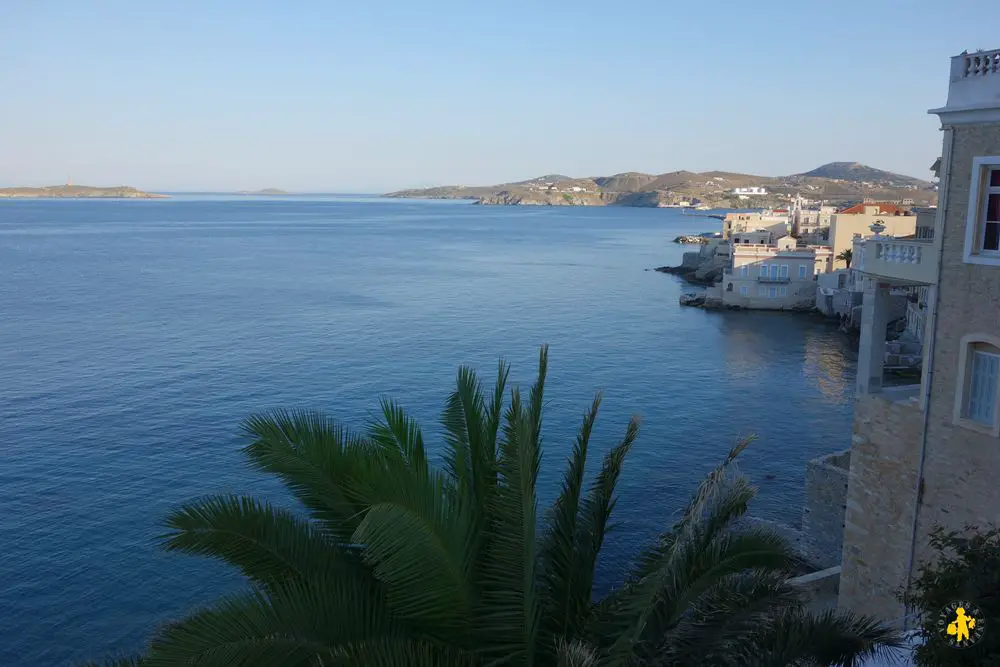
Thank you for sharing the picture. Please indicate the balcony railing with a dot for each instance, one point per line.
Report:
(910, 261)
(773, 279)
(974, 82)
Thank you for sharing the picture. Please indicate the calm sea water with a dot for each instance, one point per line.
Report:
(136, 334)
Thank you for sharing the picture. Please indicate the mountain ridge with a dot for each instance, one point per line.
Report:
(834, 182)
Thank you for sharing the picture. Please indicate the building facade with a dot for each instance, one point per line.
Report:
(772, 221)
(779, 276)
(929, 454)
(857, 221)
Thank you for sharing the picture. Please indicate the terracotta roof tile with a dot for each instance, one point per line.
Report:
(883, 209)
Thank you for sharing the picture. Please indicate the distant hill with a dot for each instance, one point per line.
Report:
(835, 183)
(860, 173)
(265, 191)
(79, 192)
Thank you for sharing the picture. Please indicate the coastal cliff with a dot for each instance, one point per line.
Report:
(78, 192)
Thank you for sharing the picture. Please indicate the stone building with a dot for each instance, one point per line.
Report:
(773, 276)
(929, 454)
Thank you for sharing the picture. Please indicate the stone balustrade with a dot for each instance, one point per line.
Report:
(903, 261)
(981, 64)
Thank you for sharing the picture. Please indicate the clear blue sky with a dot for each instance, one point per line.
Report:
(366, 96)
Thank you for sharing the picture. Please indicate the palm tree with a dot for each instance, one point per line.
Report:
(401, 562)
(846, 256)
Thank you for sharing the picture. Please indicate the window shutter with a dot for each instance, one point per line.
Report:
(983, 387)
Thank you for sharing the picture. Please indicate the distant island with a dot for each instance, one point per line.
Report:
(265, 191)
(834, 182)
(79, 192)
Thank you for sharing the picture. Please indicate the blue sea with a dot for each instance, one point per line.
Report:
(135, 336)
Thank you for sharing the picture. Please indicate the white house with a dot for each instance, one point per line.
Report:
(750, 191)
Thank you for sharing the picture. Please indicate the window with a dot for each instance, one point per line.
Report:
(772, 292)
(981, 395)
(774, 270)
(763, 270)
(978, 384)
(729, 287)
(982, 227)
(783, 291)
(803, 269)
(784, 271)
(745, 270)
(744, 290)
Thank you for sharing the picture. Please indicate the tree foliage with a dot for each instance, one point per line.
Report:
(398, 561)
(967, 568)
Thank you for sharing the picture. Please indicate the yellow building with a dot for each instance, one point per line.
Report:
(848, 223)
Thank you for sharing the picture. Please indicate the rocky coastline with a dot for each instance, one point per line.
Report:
(78, 192)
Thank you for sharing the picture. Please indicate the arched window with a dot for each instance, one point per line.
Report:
(729, 287)
(977, 397)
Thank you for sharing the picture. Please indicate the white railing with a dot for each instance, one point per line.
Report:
(982, 64)
(898, 252)
(915, 321)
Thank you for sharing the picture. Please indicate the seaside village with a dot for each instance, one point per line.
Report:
(922, 287)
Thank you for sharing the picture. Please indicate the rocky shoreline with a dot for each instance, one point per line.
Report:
(78, 192)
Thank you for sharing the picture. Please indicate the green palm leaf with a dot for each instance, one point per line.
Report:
(294, 625)
(511, 612)
(829, 638)
(269, 545)
(420, 542)
(324, 465)
(567, 604)
(397, 430)
(401, 652)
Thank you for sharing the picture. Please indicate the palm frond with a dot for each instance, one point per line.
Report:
(494, 411)
(323, 464)
(296, 625)
(829, 638)
(463, 429)
(565, 602)
(725, 619)
(511, 610)
(420, 539)
(267, 544)
(127, 661)
(575, 653)
(401, 652)
(395, 430)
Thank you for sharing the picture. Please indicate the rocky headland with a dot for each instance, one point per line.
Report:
(79, 192)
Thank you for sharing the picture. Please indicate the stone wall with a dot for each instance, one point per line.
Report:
(823, 512)
(878, 520)
(962, 465)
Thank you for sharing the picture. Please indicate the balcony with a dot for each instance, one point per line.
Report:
(974, 83)
(773, 279)
(904, 261)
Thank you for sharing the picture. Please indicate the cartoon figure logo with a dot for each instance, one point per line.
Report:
(961, 624)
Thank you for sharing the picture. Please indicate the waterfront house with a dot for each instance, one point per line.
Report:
(773, 221)
(927, 452)
(773, 276)
(858, 220)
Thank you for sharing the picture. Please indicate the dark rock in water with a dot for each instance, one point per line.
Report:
(691, 274)
(769, 476)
